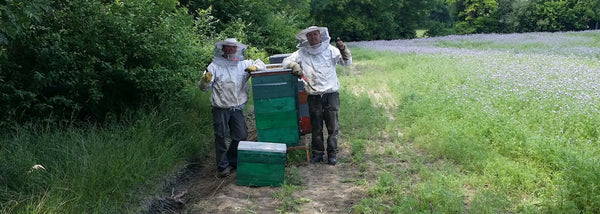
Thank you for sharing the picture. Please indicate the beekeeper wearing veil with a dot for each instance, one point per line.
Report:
(227, 76)
(315, 61)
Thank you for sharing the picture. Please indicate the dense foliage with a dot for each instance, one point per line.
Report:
(84, 59)
(506, 16)
(369, 20)
(268, 24)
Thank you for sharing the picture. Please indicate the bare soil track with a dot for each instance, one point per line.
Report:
(323, 188)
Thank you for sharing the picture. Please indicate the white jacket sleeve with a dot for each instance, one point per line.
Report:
(291, 58)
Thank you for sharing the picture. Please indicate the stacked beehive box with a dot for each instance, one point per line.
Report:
(275, 94)
(260, 164)
(303, 115)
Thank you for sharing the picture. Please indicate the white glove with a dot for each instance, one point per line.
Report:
(296, 69)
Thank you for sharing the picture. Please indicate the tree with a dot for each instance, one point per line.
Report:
(516, 16)
(268, 24)
(553, 15)
(370, 19)
(591, 11)
(440, 12)
(440, 20)
(476, 16)
(16, 16)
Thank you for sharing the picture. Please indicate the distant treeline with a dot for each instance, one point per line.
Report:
(64, 61)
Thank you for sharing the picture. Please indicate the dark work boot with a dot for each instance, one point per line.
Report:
(226, 172)
(316, 159)
(332, 161)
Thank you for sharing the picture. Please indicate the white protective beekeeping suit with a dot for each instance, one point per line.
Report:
(229, 82)
(318, 62)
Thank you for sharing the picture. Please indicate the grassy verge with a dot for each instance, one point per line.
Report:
(482, 133)
(101, 169)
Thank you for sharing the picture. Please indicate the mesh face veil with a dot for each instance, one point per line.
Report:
(303, 41)
(237, 56)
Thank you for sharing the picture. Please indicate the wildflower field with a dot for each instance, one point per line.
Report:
(501, 123)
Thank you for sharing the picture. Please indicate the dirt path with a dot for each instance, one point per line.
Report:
(323, 190)
(317, 188)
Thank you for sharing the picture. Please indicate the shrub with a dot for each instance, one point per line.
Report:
(85, 59)
(438, 29)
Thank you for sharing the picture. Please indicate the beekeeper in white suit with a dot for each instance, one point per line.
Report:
(315, 60)
(228, 76)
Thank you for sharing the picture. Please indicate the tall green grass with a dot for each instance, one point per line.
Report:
(477, 147)
(106, 168)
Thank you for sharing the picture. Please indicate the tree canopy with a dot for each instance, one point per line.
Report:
(370, 20)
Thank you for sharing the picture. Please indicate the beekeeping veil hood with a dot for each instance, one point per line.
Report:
(315, 49)
(237, 56)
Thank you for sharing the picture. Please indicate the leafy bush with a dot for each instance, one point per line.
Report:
(254, 22)
(85, 59)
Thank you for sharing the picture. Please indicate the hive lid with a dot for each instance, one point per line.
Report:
(284, 55)
(272, 69)
(278, 58)
(262, 146)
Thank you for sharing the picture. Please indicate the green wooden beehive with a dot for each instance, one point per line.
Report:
(260, 164)
(276, 106)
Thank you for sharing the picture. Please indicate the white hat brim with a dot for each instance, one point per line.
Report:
(302, 35)
(220, 44)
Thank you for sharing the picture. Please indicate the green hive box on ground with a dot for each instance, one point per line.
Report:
(260, 164)
(275, 94)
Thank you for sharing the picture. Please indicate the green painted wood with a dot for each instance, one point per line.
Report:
(276, 108)
(259, 168)
(288, 135)
(260, 174)
(273, 86)
(251, 156)
(285, 77)
(270, 105)
(276, 120)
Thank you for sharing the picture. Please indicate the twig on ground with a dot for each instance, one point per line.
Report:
(213, 194)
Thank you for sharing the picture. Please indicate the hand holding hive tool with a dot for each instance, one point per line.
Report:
(343, 49)
(340, 44)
